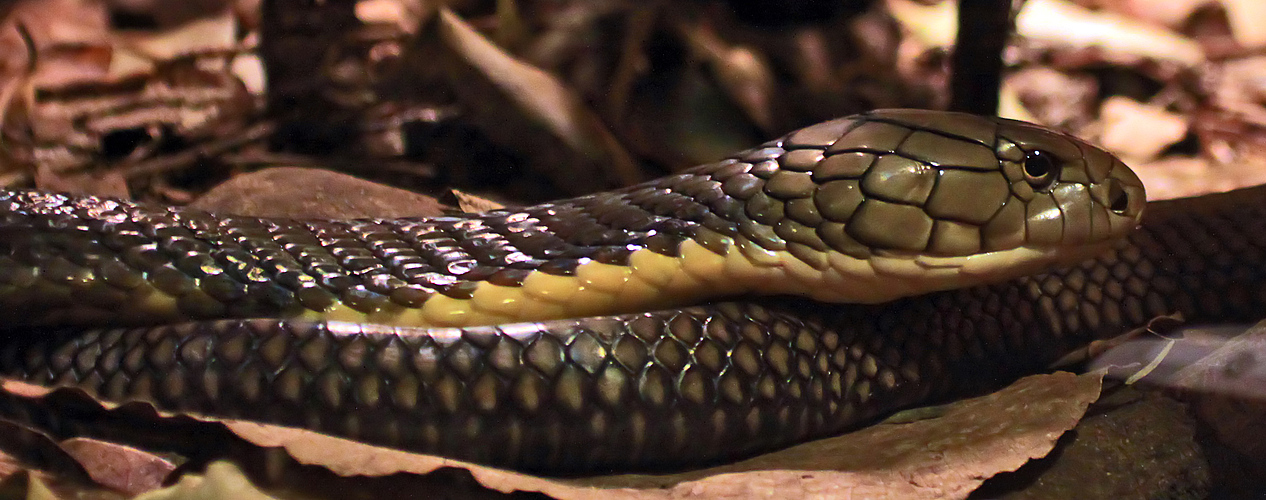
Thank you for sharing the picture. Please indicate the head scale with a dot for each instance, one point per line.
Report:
(985, 195)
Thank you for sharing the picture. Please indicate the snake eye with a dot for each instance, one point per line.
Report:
(1039, 169)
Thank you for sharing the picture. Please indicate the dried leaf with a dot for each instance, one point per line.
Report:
(742, 73)
(1246, 18)
(119, 467)
(1171, 13)
(496, 85)
(309, 193)
(210, 33)
(1065, 24)
(1220, 370)
(1137, 131)
(33, 449)
(70, 39)
(109, 183)
(934, 25)
(469, 203)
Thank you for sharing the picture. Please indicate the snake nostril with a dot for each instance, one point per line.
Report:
(1118, 199)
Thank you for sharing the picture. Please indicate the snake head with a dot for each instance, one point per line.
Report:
(940, 200)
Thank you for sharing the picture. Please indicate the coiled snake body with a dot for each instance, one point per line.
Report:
(584, 335)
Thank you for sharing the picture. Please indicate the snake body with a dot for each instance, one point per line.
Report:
(578, 335)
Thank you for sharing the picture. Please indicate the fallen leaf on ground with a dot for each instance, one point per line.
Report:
(1245, 17)
(119, 467)
(471, 204)
(309, 193)
(527, 109)
(1137, 131)
(1065, 24)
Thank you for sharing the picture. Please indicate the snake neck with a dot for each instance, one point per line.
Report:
(1200, 259)
(668, 243)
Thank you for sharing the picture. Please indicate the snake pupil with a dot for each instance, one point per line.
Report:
(1039, 168)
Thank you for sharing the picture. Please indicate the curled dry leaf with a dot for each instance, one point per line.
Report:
(1245, 17)
(1062, 23)
(1227, 388)
(742, 73)
(527, 109)
(121, 468)
(32, 449)
(470, 203)
(309, 193)
(1137, 131)
(69, 38)
(1170, 13)
(1179, 176)
(212, 33)
(109, 183)
(934, 24)
(1055, 97)
(1239, 86)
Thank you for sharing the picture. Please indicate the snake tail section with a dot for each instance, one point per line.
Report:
(867, 208)
(669, 389)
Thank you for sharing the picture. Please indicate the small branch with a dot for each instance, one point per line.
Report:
(983, 29)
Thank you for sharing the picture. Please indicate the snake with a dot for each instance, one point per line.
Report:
(791, 291)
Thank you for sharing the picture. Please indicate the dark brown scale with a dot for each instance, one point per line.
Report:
(719, 224)
(331, 277)
(664, 244)
(481, 272)
(730, 168)
(222, 287)
(764, 169)
(763, 209)
(460, 289)
(363, 300)
(195, 303)
(240, 264)
(762, 235)
(171, 281)
(758, 155)
(314, 297)
(509, 277)
(618, 256)
(410, 295)
(383, 282)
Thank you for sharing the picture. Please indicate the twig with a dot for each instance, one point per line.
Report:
(983, 29)
(257, 132)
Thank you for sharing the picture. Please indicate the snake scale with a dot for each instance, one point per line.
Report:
(792, 291)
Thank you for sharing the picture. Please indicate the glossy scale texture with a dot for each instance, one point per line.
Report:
(860, 209)
(119, 285)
